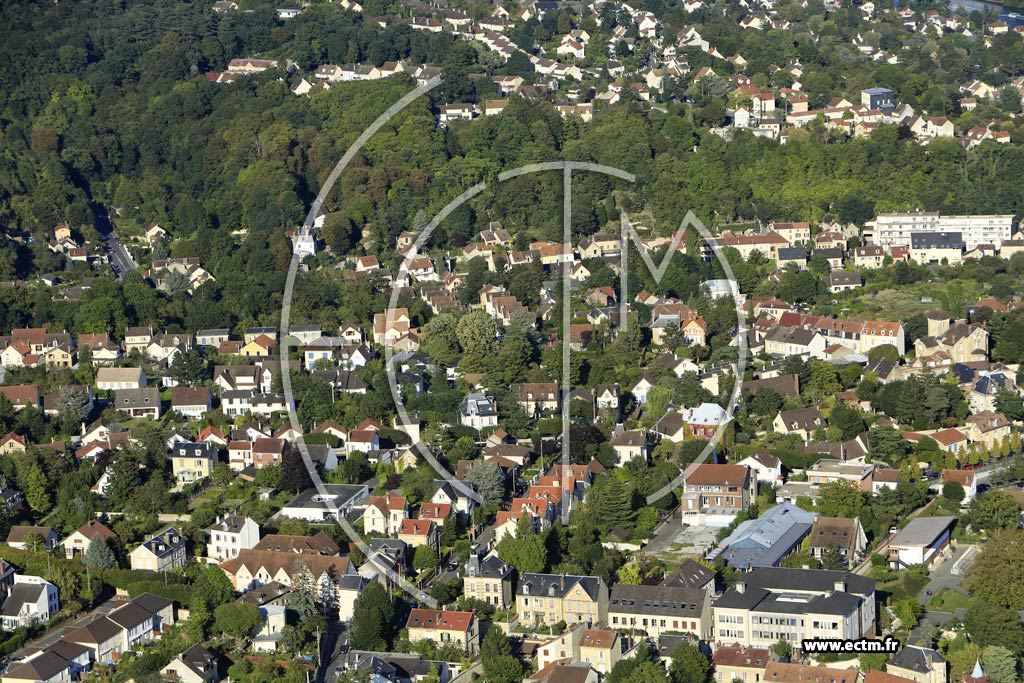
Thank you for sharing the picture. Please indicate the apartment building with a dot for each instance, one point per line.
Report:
(489, 580)
(545, 599)
(895, 229)
(655, 610)
(715, 494)
(772, 604)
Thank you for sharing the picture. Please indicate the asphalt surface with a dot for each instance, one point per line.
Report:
(52, 637)
(119, 257)
(333, 645)
(943, 577)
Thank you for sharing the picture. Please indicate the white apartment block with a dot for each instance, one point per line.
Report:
(894, 229)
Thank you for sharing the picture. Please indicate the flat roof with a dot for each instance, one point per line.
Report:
(923, 530)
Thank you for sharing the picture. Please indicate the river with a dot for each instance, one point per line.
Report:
(969, 6)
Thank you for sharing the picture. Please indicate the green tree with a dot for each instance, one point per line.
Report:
(98, 554)
(884, 351)
(373, 619)
(908, 610)
(991, 624)
(782, 648)
(994, 510)
(953, 492)
(302, 598)
(188, 367)
(237, 619)
(72, 406)
(614, 504)
(840, 499)
(37, 490)
(1010, 404)
(999, 664)
(496, 656)
(488, 482)
(424, 559)
(872, 661)
(629, 574)
(847, 420)
(689, 665)
(440, 340)
(997, 574)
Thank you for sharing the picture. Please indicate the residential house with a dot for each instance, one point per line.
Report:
(840, 534)
(988, 428)
(78, 542)
(417, 532)
(138, 403)
(714, 494)
(966, 479)
(924, 540)
(766, 467)
(787, 672)
(596, 649)
(31, 601)
(230, 535)
(827, 470)
(444, 627)
(654, 610)
(22, 395)
(536, 397)
(48, 538)
(772, 604)
(192, 462)
(489, 580)
(385, 514)
(738, 663)
(191, 403)
(194, 665)
(478, 411)
(546, 599)
(916, 663)
(162, 552)
(629, 445)
(802, 422)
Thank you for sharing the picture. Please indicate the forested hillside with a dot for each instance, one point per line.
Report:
(125, 118)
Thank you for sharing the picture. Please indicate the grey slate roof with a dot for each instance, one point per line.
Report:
(922, 530)
(764, 541)
(916, 658)
(657, 600)
(558, 585)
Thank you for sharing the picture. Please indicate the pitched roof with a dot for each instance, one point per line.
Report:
(708, 473)
(442, 620)
(780, 672)
(274, 562)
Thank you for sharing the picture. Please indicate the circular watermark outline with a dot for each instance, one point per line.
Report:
(627, 234)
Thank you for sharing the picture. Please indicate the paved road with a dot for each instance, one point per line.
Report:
(333, 644)
(943, 576)
(119, 257)
(50, 638)
(921, 634)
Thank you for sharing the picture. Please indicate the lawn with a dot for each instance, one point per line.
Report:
(948, 600)
(907, 585)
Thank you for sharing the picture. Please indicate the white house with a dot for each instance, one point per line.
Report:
(478, 411)
(31, 600)
(230, 535)
(766, 467)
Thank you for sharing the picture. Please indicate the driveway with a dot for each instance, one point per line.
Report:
(682, 539)
(51, 637)
(943, 576)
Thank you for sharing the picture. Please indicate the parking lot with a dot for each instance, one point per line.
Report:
(676, 539)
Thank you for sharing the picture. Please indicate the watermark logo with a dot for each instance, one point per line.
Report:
(628, 237)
